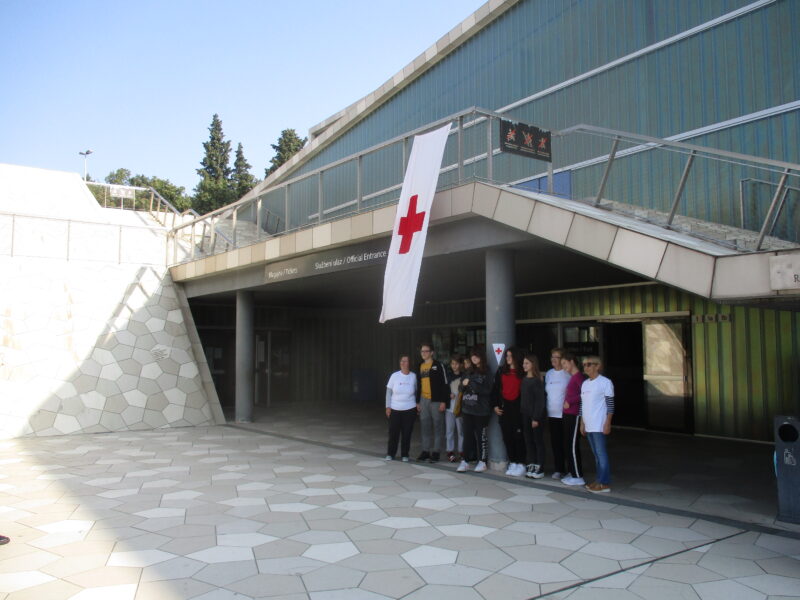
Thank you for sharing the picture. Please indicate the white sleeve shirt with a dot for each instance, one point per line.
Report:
(593, 402)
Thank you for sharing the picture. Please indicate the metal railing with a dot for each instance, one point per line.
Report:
(161, 209)
(726, 166)
(676, 185)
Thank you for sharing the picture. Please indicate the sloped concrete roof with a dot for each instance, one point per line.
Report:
(677, 259)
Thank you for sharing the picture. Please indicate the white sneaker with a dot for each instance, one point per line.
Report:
(573, 481)
(480, 467)
(462, 467)
(520, 470)
(559, 475)
(389, 457)
(512, 468)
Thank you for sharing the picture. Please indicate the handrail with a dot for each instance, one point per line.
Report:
(385, 144)
(653, 142)
(285, 195)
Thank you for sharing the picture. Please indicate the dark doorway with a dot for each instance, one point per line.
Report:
(538, 339)
(623, 364)
(220, 350)
(273, 367)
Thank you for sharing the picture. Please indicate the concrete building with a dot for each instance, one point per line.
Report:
(662, 236)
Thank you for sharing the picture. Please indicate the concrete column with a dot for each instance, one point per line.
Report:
(245, 356)
(500, 329)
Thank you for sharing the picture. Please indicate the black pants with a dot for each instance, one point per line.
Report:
(556, 427)
(474, 428)
(511, 426)
(401, 424)
(572, 429)
(534, 442)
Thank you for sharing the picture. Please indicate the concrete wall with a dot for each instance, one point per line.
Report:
(94, 335)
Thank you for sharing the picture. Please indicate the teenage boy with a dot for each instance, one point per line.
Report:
(434, 398)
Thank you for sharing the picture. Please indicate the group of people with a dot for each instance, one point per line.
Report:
(455, 404)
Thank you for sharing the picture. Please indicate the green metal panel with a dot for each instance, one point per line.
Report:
(745, 368)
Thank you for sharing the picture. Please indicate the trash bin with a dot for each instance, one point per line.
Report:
(787, 454)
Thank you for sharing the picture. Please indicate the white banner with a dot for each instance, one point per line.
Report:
(411, 224)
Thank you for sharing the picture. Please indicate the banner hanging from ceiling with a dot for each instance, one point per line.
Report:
(411, 224)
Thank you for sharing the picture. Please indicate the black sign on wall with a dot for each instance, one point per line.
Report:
(525, 140)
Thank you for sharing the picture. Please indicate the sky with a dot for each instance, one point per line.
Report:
(138, 82)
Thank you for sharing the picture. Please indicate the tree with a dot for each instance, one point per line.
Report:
(242, 180)
(175, 195)
(214, 189)
(288, 145)
(119, 177)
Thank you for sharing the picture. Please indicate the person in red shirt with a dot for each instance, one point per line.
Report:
(506, 403)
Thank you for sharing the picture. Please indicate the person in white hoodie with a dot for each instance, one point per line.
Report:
(555, 386)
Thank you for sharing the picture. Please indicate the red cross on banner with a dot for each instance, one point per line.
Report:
(411, 224)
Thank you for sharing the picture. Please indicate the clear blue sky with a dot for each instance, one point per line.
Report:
(138, 82)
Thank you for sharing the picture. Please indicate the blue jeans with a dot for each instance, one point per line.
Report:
(597, 441)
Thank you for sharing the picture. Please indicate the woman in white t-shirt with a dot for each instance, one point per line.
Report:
(401, 408)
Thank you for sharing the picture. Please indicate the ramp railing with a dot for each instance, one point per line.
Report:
(129, 197)
(673, 184)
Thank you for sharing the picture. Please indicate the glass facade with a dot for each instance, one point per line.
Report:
(649, 67)
(733, 68)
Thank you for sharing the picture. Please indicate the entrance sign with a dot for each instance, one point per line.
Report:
(525, 140)
(411, 224)
(498, 349)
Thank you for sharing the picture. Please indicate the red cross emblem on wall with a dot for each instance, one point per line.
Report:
(498, 351)
(409, 225)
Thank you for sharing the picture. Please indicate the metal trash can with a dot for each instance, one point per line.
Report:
(787, 455)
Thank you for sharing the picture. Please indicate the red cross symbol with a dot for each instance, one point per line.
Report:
(409, 225)
(498, 351)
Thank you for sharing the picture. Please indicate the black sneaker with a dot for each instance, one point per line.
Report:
(434, 457)
(425, 455)
(538, 472)
(530, 470)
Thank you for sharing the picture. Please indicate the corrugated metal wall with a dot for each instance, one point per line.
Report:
(346, 355)
(745, 369)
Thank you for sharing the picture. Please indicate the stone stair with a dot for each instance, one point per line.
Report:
(741, 240)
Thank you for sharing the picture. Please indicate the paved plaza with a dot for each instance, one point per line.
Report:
(217, 513)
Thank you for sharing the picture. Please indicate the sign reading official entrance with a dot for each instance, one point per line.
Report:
(363, 255)
(525, 140)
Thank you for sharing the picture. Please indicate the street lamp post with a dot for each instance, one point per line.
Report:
(85, 155)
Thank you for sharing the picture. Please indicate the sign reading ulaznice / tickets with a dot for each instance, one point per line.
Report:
(341, 259)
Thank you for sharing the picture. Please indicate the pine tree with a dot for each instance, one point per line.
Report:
(242, 180)
(288, 145)
(214, 189)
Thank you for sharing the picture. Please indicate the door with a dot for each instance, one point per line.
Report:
(667, 375)
(273, 367)
(623, 361)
